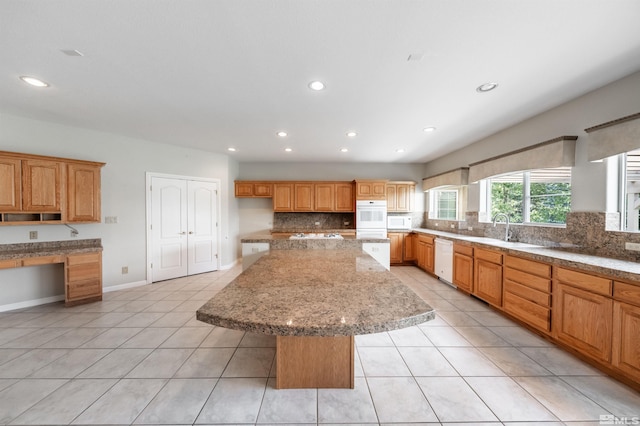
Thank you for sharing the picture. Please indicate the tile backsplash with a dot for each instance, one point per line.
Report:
(585, 232)
(312, 221)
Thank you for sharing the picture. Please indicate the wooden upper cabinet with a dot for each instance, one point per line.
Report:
(42, 185)
(325, 197)
(400, 196)
(303, 200)
(35, 188)
(371, 189)
(283, 197)
(344, 201)
(10, 184)
(83, 192)
(252, 189)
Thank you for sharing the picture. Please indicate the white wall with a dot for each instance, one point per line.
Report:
(123, 195)
(615, 100)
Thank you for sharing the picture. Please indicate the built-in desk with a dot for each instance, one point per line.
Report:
(82, 261)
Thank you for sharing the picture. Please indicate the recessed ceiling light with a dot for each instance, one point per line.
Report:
(316, 85)
(428, 129)
(34, 81)
(344, 150)
(400, 150)
(231, 149)
(352, 134)
(487, 87)
(282, 134)
(288, 150)
(72, 52)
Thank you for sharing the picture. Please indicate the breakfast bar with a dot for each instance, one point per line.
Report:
(315, 302)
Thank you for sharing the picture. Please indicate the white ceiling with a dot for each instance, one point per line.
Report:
(213, 74)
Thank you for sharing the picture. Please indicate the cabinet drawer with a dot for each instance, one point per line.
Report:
(529, 312)
(530, 266)
(80, 259)
(585, 281)
(9, 263)
(465, 250)
(528, 293)
(533, 281)
(425, 238)
(488, 255)
(83, 289)
(626, 292)
(42, 260)
(83, 272)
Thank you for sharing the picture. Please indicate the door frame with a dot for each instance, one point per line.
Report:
(148, 219)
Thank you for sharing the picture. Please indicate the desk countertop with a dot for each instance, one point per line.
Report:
(49, 248)
(316, 293)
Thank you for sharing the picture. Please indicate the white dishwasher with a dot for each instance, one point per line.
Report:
(444, 260)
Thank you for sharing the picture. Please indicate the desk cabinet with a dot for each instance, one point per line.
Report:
(83, 278)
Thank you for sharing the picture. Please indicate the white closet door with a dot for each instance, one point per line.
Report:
(169, 228)
(202, 235)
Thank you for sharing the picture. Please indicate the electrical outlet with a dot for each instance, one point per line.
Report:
(469, 228)
(317, 223)
(111, 219)
(437, 224)
(632, 246)
(125, 270)
(33, 235)
(347, 223)
(453, 226)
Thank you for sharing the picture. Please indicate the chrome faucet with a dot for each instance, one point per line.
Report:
(506, 217)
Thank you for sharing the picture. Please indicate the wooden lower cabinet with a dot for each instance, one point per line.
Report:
(83, 278)
(463, 267)
(425, 253)
(626, 339)
(410, 247)
(487, 276)
(527, 291)
(396, 247)
(583, 320)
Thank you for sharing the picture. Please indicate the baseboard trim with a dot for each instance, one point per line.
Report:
(31, 303)
(123, 286)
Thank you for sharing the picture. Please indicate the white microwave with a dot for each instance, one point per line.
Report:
(399, 222)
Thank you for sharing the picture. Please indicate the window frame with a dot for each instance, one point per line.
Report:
(460, 207)
(486, 200)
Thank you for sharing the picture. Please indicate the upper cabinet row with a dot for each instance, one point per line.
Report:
(48, 189)
(320, 196)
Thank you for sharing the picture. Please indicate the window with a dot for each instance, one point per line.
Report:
(631, 193)
(447, 203)
(535, 196)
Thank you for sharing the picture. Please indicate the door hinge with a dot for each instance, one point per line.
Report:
(151, 265)
(150, 187)
(151, 227)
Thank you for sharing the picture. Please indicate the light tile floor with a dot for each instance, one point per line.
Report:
(141, 357)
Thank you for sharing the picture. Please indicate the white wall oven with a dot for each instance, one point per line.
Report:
(371, 219)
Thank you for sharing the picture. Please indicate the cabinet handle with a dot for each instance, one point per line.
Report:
(183, 233)
(190, 232)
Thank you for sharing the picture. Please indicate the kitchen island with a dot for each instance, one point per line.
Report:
(315, 302)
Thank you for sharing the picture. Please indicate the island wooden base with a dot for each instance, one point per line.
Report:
(314, 362)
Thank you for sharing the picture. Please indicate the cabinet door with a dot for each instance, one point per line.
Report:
(488, 281)
(41, 183)
(243, 189)
(283, 197)
(391, 198)
(396, 247)
(463, 272)
(583, 320)
(83, 193)
(324, 197)
(371, 190)
(344, 197)
(403, 203)
(626, 345)
(262, 189)
(303, 197)
(409, 247)
(420, 245)
(429, 258)
(10, 185)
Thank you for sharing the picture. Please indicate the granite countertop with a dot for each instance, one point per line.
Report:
(316, 293)
(314, 230)
(616, 268)
(49, 248)
(266, 237)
